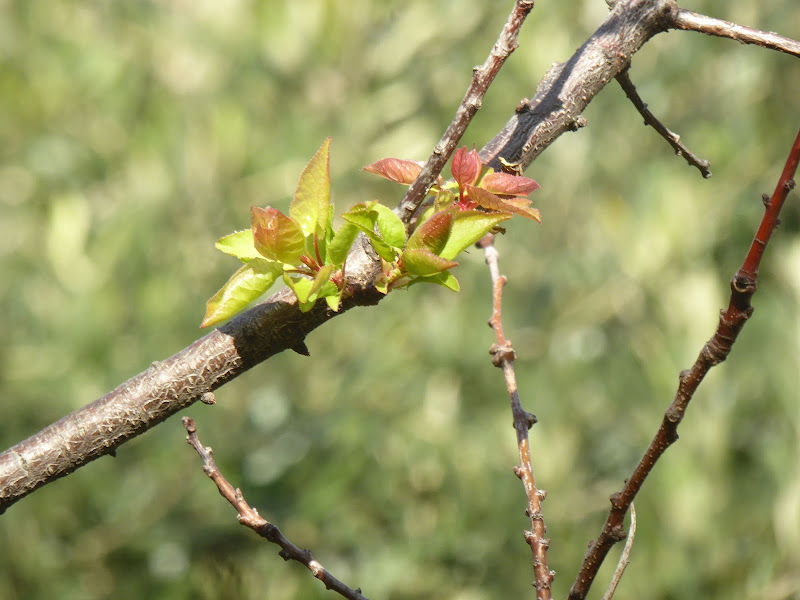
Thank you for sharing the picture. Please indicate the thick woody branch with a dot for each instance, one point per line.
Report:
(716, 350)
(568, 87)
(249, 517)
(169, 386)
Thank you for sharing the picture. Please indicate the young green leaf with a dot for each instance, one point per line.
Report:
(244, 286)
(518, 206)
(276, 236)
(433, 233)
(391, 228)
(239, 244)
(445, 278)
(364, 216)
(310, 206)
(340, 245)
(423, 262)
(468, 227)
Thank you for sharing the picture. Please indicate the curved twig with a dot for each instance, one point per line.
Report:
(674, 140)
(716, 350)
(249, 517)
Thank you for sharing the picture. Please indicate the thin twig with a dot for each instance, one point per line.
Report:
(249, 517)
(482, 77)
(692, 21)
(716, 350)
(624, 558)
(503, 357)
(672, 138)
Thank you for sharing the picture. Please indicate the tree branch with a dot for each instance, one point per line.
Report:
(692, 21)
(672, 138)
(482, 78)
(249, 517)
(169, 386)
(716, 350)
(503, 357)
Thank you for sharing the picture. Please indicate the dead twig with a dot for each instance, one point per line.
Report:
(624, 558)
(672, 138)
(249, 517)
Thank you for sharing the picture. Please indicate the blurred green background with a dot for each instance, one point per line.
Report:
(134, 134)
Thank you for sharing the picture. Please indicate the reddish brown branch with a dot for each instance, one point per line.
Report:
(503, 357)
(482, 77)
(249, 517)
(743, 286)
(672, 138)
(692, 21)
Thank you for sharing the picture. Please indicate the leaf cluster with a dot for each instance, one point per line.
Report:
(304, 250)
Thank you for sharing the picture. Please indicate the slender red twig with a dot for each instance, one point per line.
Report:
(503, 357)
(482, 77)
(249, 517)
(716, 350)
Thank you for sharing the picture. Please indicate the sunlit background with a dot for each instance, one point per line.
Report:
(134, 134)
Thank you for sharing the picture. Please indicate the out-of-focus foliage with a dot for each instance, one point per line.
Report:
(134, 134)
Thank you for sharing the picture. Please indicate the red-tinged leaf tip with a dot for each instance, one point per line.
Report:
(433, 233)
(518, 206)
(466, 166)
(505, 184)
(276, 236)
(396, 169)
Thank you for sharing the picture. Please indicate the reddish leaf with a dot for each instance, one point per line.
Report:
(396, 169)
(505, 184)
(276, 236)
(433, 234)
(466, 166)
(518, 206)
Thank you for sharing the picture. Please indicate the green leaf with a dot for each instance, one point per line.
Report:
(276, 236)
(390, 226)
(445, 279)
(334, 300)
(301, 287)
(244, 286)
(423, 262)
(468, 227)
(239, 244)
(340, 245)
(311, 204)
(433, 233)
(365, 216)
(323, 277)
